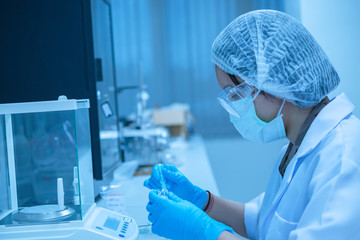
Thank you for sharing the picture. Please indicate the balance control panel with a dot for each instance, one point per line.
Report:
(113, 225)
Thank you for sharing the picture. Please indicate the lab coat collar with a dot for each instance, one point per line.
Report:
(328, 118)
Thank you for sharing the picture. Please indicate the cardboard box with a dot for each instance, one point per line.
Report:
(174, 117)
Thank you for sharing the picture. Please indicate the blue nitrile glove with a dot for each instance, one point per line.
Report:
(177, 183)
(179, 219)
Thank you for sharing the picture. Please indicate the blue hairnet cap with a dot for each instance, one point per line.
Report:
(275, 53)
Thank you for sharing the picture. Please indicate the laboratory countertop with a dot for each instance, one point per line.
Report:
(193, 163)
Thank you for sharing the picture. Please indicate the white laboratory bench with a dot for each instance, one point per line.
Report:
(194, 165)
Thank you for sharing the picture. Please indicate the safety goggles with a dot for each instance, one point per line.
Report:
(232, 94)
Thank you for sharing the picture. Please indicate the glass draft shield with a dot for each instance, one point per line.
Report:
(45, 167)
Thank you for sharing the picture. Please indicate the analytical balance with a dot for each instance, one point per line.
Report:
(46, 178)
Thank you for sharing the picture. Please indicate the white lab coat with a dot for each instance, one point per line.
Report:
(319, 196)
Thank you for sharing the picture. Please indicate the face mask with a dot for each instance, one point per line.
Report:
(251, 127)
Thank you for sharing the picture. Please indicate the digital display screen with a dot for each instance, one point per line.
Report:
(111, 223)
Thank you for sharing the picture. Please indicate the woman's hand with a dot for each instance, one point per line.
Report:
(179, 219)
(177, 183)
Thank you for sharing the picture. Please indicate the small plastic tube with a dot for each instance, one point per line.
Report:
(60, 193)
(162, 179)
(163, 192)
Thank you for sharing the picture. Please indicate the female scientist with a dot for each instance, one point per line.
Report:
(275, 80)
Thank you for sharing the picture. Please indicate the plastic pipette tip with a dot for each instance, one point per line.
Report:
(162, 179)
(163, 193)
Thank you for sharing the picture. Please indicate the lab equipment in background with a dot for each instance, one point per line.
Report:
(139, 119)
(142, 97)
(176, 117)
(52, 197)
(148, 146)
(140, 139)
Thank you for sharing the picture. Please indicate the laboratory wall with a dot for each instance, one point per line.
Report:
(335, 25)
